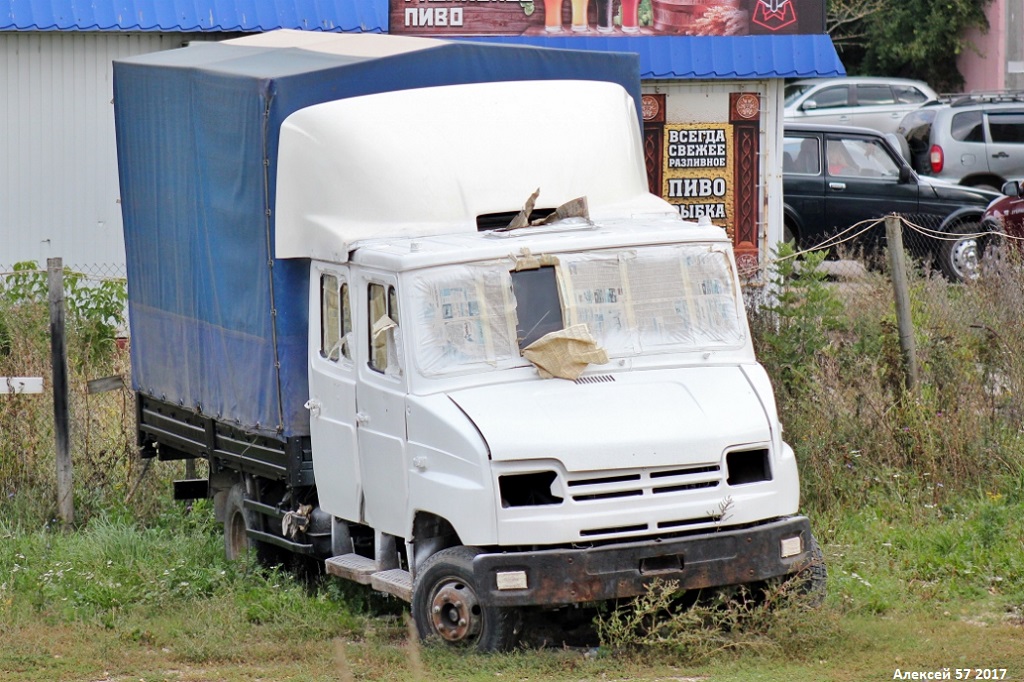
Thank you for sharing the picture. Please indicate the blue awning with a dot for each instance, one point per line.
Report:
(187, 16)
(668, 57)
(706, 57)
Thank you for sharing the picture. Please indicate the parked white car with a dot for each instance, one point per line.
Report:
(868, 102)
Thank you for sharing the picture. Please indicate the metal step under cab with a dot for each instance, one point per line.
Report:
(357, 568)
(396, 582)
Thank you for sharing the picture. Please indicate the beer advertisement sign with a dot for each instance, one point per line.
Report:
(606, 17)
(698, 171)
(709, 169)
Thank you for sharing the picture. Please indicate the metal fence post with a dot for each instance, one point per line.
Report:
(901, 291)
(61, 417)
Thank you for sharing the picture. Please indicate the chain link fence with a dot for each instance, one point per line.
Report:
(963, 280)
(99, 402)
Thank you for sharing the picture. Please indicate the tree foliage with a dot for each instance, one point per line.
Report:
(910, 38)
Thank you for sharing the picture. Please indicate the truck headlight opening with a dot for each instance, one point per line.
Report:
(528, 490)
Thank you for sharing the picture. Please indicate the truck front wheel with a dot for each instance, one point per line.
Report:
(445, 605)
(812, 579)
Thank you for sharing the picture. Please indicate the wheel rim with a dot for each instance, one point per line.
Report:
(964, 258)
(455, 611)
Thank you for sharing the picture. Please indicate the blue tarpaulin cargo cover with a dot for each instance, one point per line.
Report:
(218, 324)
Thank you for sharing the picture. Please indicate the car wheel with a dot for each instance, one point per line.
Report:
(960, 253)
(446, 605)
(993, 255)
(789, 234)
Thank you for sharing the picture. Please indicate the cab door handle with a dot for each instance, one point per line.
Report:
(837, 185)
(314, 406)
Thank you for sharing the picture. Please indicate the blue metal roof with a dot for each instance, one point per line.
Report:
(704, 57)
(669, 57)
(370, 16)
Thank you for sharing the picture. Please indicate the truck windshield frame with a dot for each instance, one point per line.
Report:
(635, 301)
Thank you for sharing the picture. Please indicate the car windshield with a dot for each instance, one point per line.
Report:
(794, 91)
(638, 301)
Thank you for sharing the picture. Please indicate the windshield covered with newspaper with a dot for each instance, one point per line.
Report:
(635, 301)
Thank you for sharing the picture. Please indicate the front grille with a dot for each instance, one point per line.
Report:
(584, 489)
(638, 484)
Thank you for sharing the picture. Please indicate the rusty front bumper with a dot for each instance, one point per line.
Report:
(568, 576)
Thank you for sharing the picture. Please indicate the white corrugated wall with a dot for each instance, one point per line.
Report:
(58, 163)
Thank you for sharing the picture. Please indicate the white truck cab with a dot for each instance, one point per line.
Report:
(433, 423)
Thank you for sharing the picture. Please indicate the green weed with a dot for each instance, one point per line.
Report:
(775, 620)
(795, 325)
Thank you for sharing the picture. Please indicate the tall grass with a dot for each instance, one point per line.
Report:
(833, 352)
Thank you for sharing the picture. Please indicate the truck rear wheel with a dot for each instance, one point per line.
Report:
(237, 521)
(445, 604)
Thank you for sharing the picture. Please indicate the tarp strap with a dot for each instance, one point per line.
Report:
(268, 219)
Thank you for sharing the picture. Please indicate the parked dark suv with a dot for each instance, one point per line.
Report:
(836, 176)
(976, 140)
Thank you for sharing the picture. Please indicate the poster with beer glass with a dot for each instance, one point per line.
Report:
(606, 17)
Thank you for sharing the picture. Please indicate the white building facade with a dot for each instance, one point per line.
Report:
(58, 164)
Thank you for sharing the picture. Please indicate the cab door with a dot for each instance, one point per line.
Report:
(332, 392)
(380, 402)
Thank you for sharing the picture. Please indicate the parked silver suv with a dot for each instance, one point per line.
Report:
(876, 103)
(975, 140)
